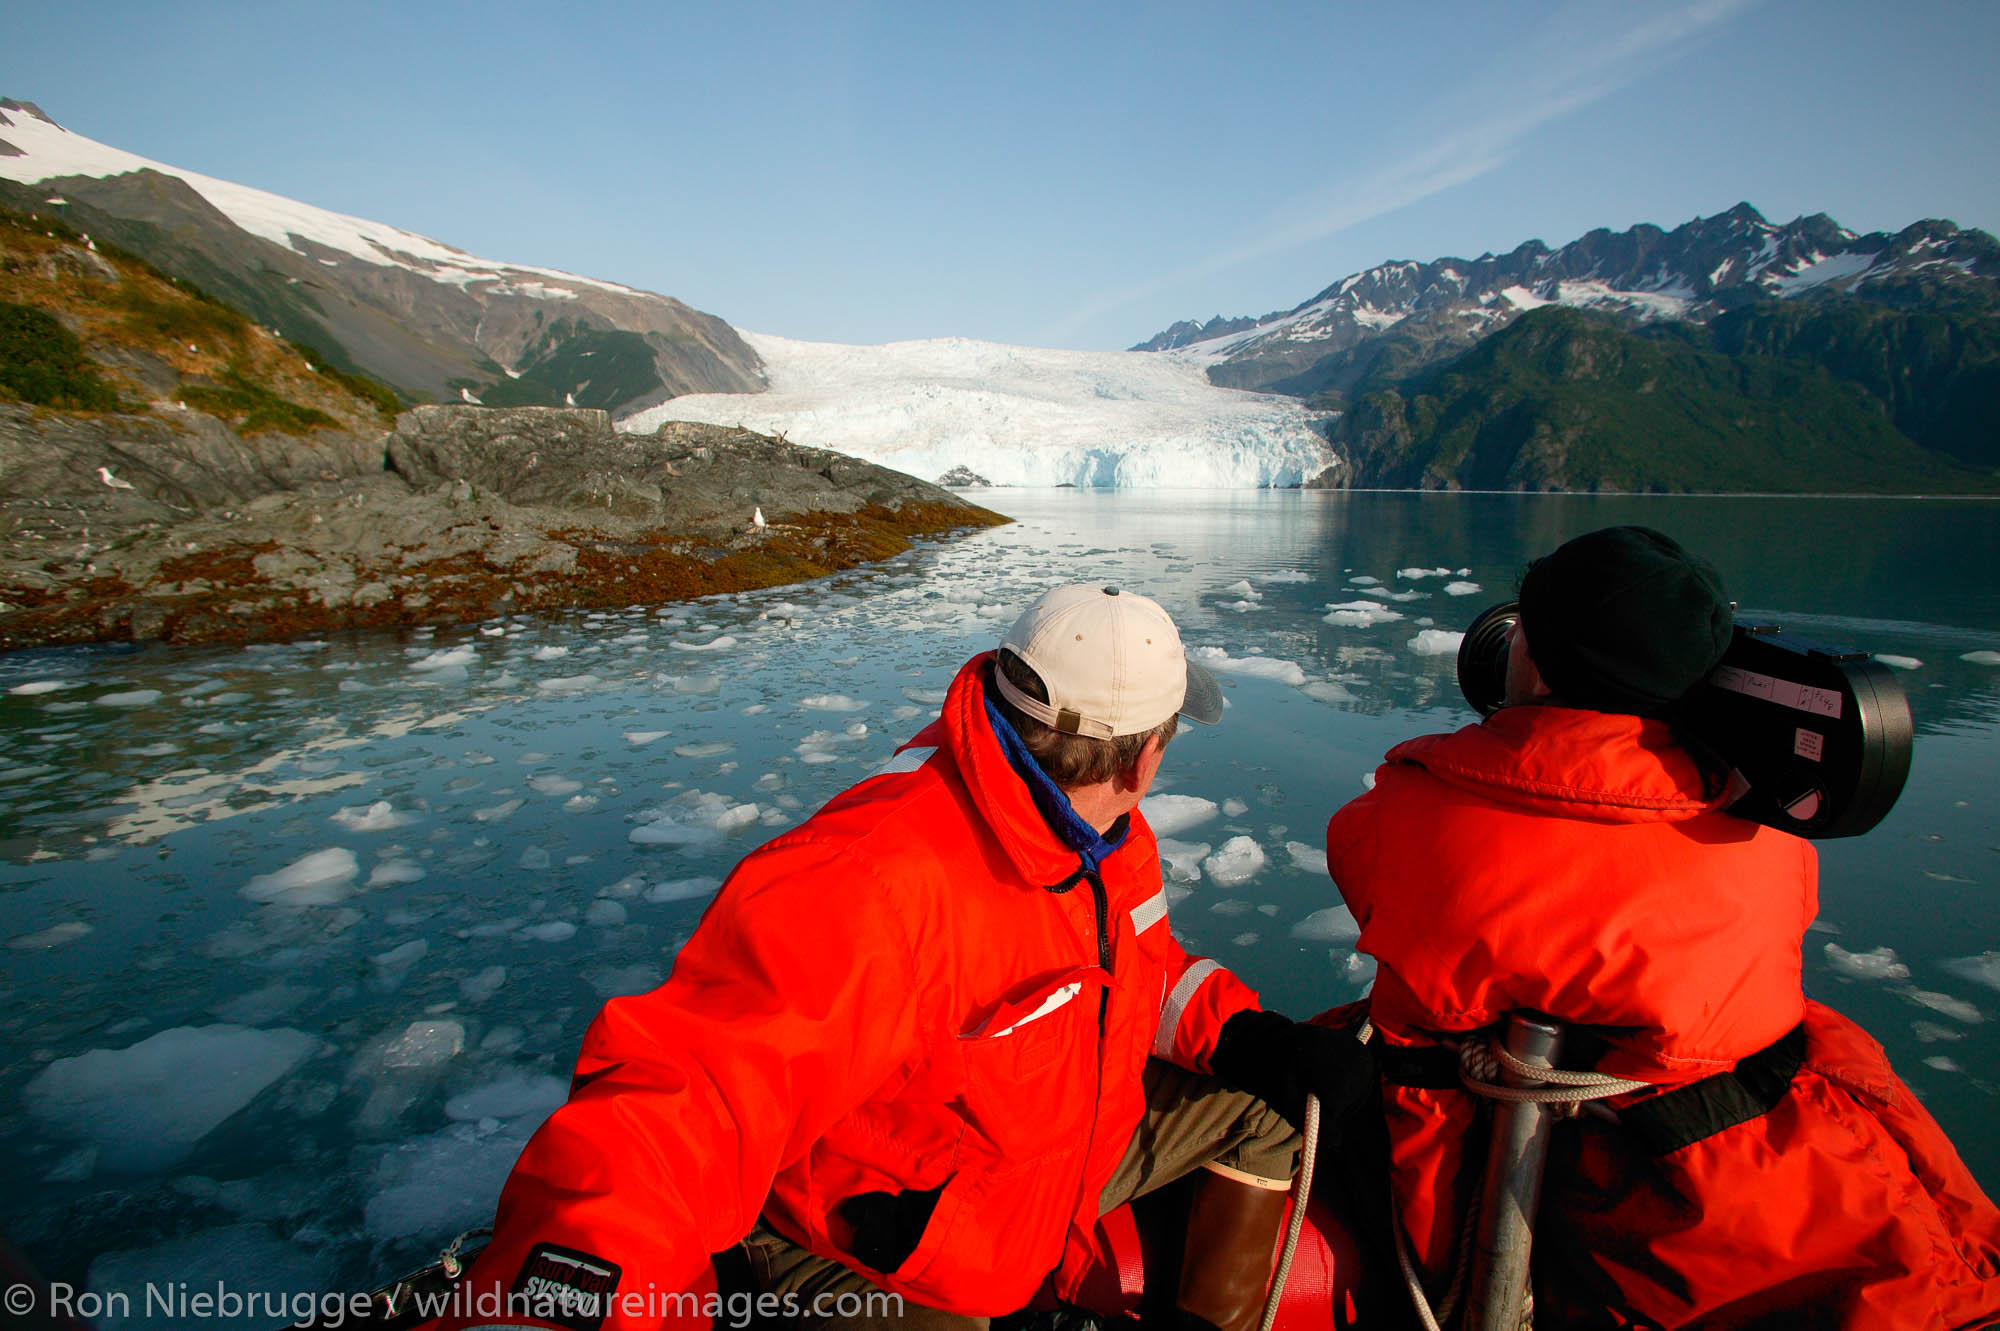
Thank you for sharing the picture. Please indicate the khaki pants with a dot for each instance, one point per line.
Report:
(1191, 1122)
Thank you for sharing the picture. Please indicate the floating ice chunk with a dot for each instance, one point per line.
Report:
(604, 914)
(832, 702)
(393, 967)
(1333, 924)
(618, 981)
(133, 698)
(569, 684)
(244, 1266)
(319, 879)
(1234, 808)
(1231, 906)
(145, 1107)
(1955, 1008)
(1359, 614)
(263, 1005)
(391, 872)
(1436, 642)
(1244, 590)
(35, 687)
(1310, 858)
(509, 1095)
(1238, 861)
(645, 736)
(478, 988)
(1880, 964)
(1368, 779)
(1414, 573)
(721, 644)
(1326, 690)
(1363, 580)
(927, 697)
(1942, 1063)
(1284, 575)
(683, 889)
(1982, 658)
(534, 859)
(1899, 662)
(1173, 814)
(1248, 938)
(424, 1044)
(1982, 969)
(550, 931)
(708, 749)
(665, 830)
(447, 658)
(53, 936)
(1182, 859)
(380, 816)
(1257, 667)
(497, 813)
(554, 785)
(435, 1186)
(550, 653)
(1462, 589)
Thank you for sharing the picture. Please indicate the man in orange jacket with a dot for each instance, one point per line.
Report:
(923, 1041)
(1569, 856)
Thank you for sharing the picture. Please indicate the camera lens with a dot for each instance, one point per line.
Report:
(1482, 657)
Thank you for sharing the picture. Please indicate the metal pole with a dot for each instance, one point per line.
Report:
(1512, 1187)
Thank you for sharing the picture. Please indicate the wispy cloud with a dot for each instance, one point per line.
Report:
(1490, 117)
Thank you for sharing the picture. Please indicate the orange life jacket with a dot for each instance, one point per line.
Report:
(1571, 863)
(914, 991)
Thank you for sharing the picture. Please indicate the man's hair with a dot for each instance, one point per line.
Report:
(1069, 760)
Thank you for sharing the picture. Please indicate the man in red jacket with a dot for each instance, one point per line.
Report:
(921, 1042)
(1569, 856)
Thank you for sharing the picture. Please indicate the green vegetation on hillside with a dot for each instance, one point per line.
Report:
(42, 363)
(611, 366)
(71, 306)
(1562, 399)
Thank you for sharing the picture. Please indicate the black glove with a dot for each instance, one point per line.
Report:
(1280, 1060)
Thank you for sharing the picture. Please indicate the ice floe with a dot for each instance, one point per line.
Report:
(1257, 667)
(319, 879)
(1359, 614)
(146, 1107)
(1169, 815)
(380, 816)
(1235, 862)
(1879, 964)
(1331, 924)
(54, 936)
(1436, 642)
(1982, 969)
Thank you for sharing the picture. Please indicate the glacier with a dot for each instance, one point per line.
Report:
(1019, 416)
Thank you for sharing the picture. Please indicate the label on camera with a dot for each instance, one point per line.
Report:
(1784, 692)
(1808, 744)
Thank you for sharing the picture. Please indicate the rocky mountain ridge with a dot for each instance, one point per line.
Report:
(430, 320)
(1396, 318)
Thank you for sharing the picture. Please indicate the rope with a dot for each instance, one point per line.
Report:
(1301, 1191)
(1482, 1060)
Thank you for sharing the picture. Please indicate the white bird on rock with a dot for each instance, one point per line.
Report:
(757, 518)
(104, 474)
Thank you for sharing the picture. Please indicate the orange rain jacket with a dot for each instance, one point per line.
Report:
(1568, 862)
(915, 989)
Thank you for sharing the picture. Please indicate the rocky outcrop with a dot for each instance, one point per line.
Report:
(115, 527)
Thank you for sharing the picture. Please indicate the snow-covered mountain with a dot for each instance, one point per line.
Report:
(421, 315)
(1416, 313)
(1019, 415)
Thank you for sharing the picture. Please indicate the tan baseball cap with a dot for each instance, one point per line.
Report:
(1112, 662)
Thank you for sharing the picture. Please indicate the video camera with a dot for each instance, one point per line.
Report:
(1821, 735)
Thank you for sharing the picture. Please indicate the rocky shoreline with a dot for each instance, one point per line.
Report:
(125, 528)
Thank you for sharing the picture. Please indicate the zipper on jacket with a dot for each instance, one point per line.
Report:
(1103, 907)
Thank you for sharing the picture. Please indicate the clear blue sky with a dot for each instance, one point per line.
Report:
(1057, 174)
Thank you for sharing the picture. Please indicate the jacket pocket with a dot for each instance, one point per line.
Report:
(1031, 1067)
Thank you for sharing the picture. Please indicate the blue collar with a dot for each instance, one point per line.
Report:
(1090, 845)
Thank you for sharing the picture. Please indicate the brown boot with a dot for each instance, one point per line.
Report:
(1232, 1245)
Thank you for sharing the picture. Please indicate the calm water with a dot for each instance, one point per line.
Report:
(304, 937)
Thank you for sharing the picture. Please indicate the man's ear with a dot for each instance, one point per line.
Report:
(1140, 773)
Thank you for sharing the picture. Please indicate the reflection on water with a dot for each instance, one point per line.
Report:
(320, 924)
